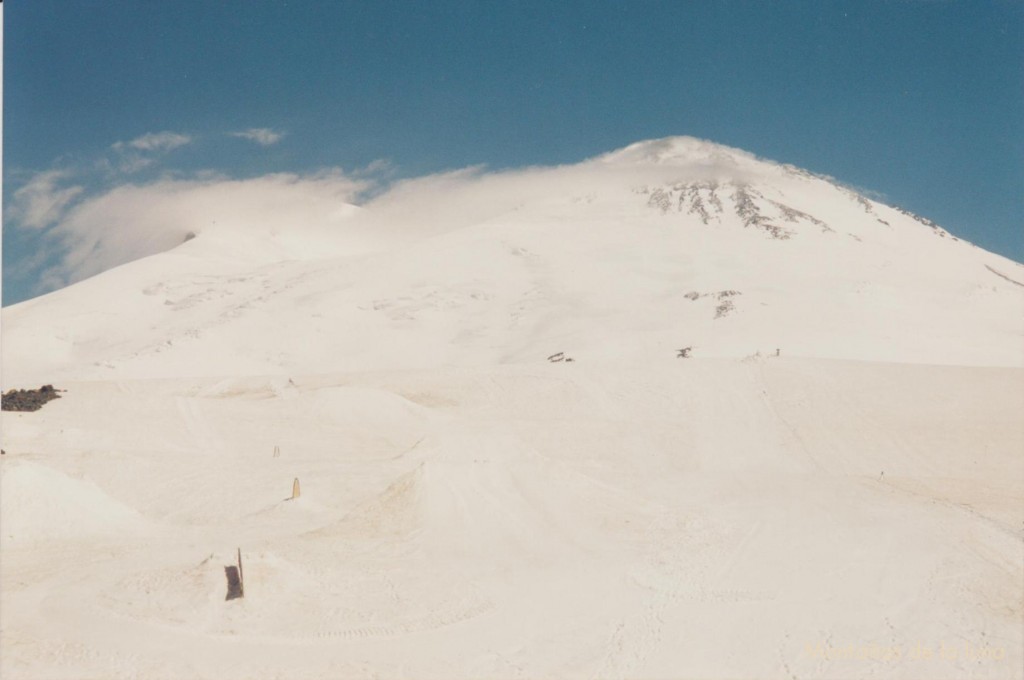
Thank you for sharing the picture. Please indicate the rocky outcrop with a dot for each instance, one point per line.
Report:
(28, 400)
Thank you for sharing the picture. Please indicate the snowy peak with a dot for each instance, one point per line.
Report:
(712, 182)
(680, 151)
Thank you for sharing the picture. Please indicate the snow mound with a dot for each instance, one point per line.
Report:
(396, 511)
(38, 503)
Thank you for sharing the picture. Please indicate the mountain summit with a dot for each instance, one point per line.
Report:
(623, 258)
(679, 150)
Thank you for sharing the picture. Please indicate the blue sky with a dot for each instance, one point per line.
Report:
(921, 102)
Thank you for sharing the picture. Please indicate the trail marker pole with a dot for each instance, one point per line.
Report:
(241, 577)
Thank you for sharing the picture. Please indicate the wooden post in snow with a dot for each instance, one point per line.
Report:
(241, 576)
(233, 572)
(295, 489)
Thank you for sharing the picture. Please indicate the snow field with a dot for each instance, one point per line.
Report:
(557, 520)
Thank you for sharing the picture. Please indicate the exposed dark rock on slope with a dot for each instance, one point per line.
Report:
(28, 400)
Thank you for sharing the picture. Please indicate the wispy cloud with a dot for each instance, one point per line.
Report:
(132, 162)
(142, 152)
(42, 201)
(133, 221)
(155, 141)
(379, 167)
(262, 136)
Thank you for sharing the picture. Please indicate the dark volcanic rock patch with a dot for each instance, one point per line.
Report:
(28, 400)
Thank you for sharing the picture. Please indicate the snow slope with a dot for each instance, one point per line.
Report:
(851, 508)
(601, 259)
(712, 518)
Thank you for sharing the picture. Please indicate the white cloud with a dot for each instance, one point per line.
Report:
(139, 153)
(133, 221)
(155, 141)
(262, 136)
(41, 201)
(134, 162)
(459, 198)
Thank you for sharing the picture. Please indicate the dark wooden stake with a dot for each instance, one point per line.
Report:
(233, 573)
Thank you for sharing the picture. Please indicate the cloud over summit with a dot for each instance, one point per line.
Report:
(133, 221)
(41, 201)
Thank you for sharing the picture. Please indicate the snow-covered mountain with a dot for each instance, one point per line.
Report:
(473, 504)
(623, 258)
